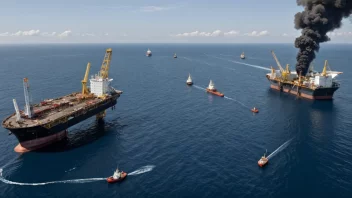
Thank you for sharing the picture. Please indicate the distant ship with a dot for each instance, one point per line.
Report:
(263, 161)
(149, 53)
(314, 85)
(189, 80)
(242, 56)
(175, 56)
(211, 89)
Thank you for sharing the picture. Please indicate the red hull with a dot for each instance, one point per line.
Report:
(111, 180)
(40, 142)
(189, 83)
(215, 93)
(255, 111)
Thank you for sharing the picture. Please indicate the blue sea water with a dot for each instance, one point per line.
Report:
(180, 141)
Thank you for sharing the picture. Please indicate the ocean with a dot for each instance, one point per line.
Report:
(176, 140)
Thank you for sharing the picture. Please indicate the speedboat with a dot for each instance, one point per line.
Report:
(189, 80)
(211, 89)
(117, 177)
(263, 161)
(255, 110)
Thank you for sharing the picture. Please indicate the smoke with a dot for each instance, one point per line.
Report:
(318, 18)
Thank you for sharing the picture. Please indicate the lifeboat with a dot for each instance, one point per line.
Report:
(189, 80)
(254, 110)
(263, 161)
(211, 89)
(117, 177)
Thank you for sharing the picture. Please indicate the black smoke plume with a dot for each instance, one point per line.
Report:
(318, 18)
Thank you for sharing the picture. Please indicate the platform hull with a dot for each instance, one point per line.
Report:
(305, 92)
(36, 137)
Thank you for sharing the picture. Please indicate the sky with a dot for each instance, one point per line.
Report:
(153, 21)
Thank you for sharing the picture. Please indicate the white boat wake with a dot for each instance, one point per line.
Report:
(284, 145)
(141, 170)
(201, 88)
(255, 66)
(236, 101)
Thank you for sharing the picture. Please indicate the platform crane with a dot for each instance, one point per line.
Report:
(85, 90)
(105, 66)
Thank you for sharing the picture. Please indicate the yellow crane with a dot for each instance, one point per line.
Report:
(104, 71)
(85, 90)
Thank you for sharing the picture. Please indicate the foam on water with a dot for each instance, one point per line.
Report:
(284, 145)
(139, 171)
(255, 66)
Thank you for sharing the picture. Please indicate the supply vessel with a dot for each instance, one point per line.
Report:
(39, 125)
(211, 89)
(313, 85)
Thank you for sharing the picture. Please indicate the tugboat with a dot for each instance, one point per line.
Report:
(255, 110)
(242, 56)
(211, 89)
(175, 56)
(149, 53)
(263, 161)
(117, 177)
(189, 80)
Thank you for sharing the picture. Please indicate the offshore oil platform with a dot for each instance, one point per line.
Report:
(314, 85)
(39, 125)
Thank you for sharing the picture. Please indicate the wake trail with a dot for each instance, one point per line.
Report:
(255, 66)
(284, 145)
(141, 170)
(228, 98)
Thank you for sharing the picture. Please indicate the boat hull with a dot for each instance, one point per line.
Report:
(305, 92)
(262, 164)
(111, 180)
(215, 92)
(189, 83)
(32, 138)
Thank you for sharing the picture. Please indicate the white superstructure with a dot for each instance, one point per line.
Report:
(149, 53)
(211, 85)
(189, 80)
(99, 86)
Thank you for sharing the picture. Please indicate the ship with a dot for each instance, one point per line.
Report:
(42, 124)
(263, 160)
(189, 80)
(175, 56)
(314, 85)
(242, 56)
(211, 89)
(149, 53)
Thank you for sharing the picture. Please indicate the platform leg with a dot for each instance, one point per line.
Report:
(100, 115)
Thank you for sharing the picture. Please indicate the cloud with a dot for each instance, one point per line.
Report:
(339, 34)
(5, 34)
(153, 8)
(285, 35)
(65, 33)
(27, 33)
(48, 34)
(232, 33)
(256, 33)
(216, 33)
(87, 34)
(106, 34)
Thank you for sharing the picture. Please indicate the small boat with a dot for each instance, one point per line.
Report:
(149, 53)
(255, 110)
(242, 56)
(189, 80)
(117, 177)
(175, 56)
(211, 89)
(263, 161)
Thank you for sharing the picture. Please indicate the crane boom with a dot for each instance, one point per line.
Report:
(104, 71)
(277, 62)
(85, 80)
